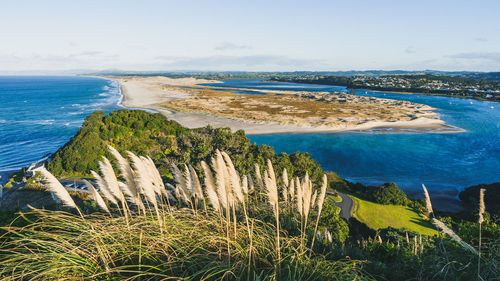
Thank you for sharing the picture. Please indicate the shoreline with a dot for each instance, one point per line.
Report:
(138, 95)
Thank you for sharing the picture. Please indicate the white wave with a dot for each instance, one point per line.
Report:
(76, 113)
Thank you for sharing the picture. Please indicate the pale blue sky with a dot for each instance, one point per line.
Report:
(249, 35)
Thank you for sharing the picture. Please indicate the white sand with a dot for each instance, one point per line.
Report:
(147, 92)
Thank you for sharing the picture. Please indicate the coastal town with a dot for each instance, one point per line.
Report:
(457, 86)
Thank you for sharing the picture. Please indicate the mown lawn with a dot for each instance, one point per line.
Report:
(378, 216)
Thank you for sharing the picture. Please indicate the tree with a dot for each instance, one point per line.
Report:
(389, 193)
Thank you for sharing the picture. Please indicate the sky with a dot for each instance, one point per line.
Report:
(147, 35)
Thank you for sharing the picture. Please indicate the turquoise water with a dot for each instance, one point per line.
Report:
(38, 114)
(445, 162)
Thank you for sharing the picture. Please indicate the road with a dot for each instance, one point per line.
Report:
(346, 206)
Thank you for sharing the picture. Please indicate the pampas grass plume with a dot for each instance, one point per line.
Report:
(57, 188)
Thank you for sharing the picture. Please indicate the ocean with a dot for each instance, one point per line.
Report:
(39, 114)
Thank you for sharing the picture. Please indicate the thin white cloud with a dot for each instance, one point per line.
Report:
(410, 50)
(252, 62)
(228, 46)
(487, 56)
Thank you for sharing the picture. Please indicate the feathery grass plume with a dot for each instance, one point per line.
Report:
(446, 230)
(321, 200)
(220, 183)
(306, 195)
(145, 183)
(313, 199)
(142, 179)
(481, 205)
(427, 200)
(244, 184)
(224, 190)
(258, 176)
(148, 170)
(234, 178)
(480, 221)
(272, 194)
(103, 188)
(57, 188)
(299, 198)
(195, 182)
(158, 181)
(285, 177)
(251, 186)
(97, 197)
(271, 173)
(291, 190)
(189, 183)
(109, 176)
(130, 189)
(210, 187)
(285, 194)
(415, 245)
(179, 178)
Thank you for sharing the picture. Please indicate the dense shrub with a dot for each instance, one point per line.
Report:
(389, 193)
(166, 142)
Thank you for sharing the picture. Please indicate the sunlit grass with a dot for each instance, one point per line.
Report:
(377, 216)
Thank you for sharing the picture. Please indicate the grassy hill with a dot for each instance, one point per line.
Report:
(378, 216)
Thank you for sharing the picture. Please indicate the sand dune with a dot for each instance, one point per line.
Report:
(192, 109)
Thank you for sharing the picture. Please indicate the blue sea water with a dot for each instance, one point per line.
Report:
(444, 162)
(38, 114)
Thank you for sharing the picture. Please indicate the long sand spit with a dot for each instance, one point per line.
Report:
(149, 92)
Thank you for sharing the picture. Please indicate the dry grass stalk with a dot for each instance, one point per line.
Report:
(321, 200)
(446, 230)
(481, 205)
(480, 221)
(285, 177)
(428, 204)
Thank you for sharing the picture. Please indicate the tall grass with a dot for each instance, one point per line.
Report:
(141, 235)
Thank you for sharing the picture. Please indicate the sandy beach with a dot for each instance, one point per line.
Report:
(150, 92)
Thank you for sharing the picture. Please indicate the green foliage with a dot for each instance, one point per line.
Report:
(331, 221)
(470, 196)
(389, 194)
(167, 142)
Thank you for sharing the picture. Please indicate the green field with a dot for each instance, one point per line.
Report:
(378, 216)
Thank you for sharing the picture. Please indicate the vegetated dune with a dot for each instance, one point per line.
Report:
(274, 111)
